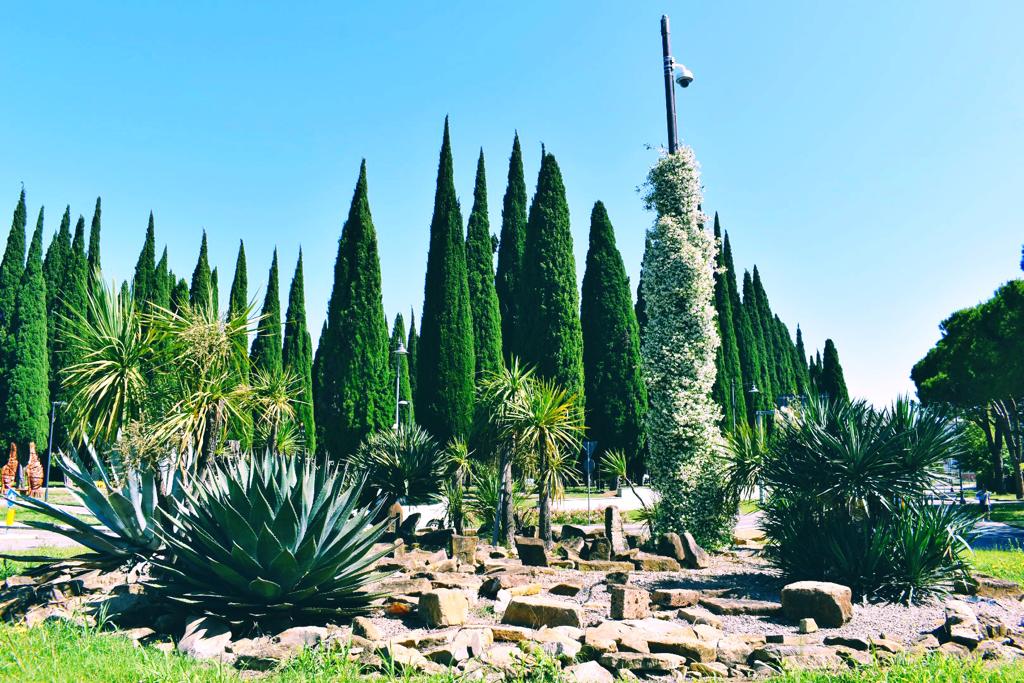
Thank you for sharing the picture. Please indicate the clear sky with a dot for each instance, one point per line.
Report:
(866, 156)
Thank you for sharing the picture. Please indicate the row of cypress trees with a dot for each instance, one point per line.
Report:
(758, 351)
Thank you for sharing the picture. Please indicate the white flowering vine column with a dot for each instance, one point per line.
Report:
(678, 349)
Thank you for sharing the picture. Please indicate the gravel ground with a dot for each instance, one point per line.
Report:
(740, 575)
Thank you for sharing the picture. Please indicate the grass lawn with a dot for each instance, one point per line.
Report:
(1002, 564)
(749, 506)
(13, 567)
(22, 514)
(1009, 513)
(934, 668)
(62, 653)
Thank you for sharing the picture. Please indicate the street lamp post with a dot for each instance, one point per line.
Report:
(684, 79)
(49, 449)
(399, 352)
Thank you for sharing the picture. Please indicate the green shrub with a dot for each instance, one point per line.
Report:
(406, 465)
(846, 499)
(270, 540)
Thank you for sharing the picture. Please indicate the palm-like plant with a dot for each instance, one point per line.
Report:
(497, 393)
(404, 465)
(548, 424)
(486, 482)
(267, 540)
(273, 398)
(106, 383)
(126, 509)
(746, 448)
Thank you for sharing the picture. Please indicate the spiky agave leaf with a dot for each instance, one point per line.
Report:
(126, 511)
(267, 539)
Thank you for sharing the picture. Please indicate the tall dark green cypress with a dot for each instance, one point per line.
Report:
(55, 268)
(28, 394)
(616, 393)
(551, 339)
(215, 291)
(162, 281)
(144, 283)
(297, 354)
(11, 269)
(446, 355)
(773, 368)
(238, 298)
(764, 399)
(483, 299)
(510, 250)
(413, 347)
(200, 294)
(351, 384)
(832, 381)
(803, 376)
(728, 388)
(407, 413)
(179, 295)
(265, 354)
(95, 265)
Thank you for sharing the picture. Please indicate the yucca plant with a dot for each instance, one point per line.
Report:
(126, 509)
(269, 540)
(404, 465)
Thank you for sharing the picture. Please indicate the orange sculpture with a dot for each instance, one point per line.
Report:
(9, 472)
(33, 472)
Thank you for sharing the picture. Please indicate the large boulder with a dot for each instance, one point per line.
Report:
(629, 603)
(536, 612)
(205, 638)
(829, 604)
(684, 549)
(531, 551)
(444, 607)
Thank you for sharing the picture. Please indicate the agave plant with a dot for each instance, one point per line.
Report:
(126, 509)
(266, 539)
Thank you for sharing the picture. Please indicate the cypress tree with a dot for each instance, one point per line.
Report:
(616, 394)
(550, 336)
(179, 295)
(413, 358)
(297, 354)
(765, 398)
(351, 389)
(238, 298)
(640, 308)
(318, 361)
(771, 356)
(11, 269)
(447, 359)
(144, 283)
(728, 389)
(266, 348)
(802, 375)
(28, 397)
(407, 414)
(832, 381)
(55, 268)
(200, 293)
(95, 267)
(483, 299)
(510, 250)
(162, 280)
(215, 291)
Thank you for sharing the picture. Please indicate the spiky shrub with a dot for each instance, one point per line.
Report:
(404, 465)
(847, 499)
(267, 539)
(126, 509)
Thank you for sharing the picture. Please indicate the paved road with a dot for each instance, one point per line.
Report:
(998, 535)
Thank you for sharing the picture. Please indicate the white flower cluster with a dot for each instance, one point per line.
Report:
(679, 346)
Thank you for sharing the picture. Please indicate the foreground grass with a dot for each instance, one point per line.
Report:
(1005, 564)
(937, 669)
(64, 653)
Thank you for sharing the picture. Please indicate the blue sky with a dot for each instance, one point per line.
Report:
(866, 156)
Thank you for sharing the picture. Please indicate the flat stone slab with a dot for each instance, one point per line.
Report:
(736, 606)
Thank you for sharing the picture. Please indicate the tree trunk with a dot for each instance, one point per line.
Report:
(1010, 419)
(213, 426)
(994, 441)
(544, 503)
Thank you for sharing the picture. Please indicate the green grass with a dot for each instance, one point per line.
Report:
(63, 653)
(1009, 513)
(1003, 564)
(14, 567)
(931, 669)
(749, 506)
(22, 514)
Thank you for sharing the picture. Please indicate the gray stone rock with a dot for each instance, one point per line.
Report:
(829, 604)
(693, 649)
(205, 638)
(588, 672)
(629, 603)
(734, 606)
(302, 636)
(566, 588)
(600, 549)
(675, 597)
(647, 562)
(635, 661)
(444, 607)
(363, 627)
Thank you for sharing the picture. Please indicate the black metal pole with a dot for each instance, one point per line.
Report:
(670, 92)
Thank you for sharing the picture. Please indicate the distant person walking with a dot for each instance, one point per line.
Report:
(985, 501)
